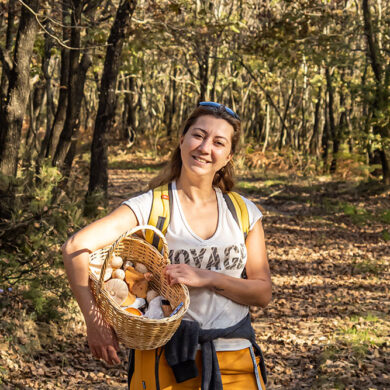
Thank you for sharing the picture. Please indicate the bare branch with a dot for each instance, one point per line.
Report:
(58, 40)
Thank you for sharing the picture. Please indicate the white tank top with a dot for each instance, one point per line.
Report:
(224, 252)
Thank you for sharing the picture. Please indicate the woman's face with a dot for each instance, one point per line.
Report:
(206, 147)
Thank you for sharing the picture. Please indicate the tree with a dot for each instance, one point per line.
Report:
(13, 109)
(380, 103)
(98, 179)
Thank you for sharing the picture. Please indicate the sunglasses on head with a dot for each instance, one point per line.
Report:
(217, 105)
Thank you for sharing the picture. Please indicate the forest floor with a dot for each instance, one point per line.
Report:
(328, 324)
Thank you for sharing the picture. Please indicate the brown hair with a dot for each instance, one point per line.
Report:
(224, 177)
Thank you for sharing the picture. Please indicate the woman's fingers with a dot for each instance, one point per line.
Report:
(116, 344)
(113, 355)
(94, 352)
(190, 276)
(104, 355)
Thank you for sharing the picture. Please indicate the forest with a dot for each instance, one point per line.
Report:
(93, 94)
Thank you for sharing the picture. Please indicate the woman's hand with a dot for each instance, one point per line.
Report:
(190, 276)
(102, 340)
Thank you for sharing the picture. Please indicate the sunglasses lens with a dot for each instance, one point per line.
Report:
(217, 105)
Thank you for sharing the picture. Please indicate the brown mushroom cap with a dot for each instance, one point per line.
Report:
(132, 276)
(151, 294)
(140, 288)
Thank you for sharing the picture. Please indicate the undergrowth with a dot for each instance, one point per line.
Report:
(31, 265)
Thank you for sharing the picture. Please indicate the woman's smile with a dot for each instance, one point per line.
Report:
(201, 160)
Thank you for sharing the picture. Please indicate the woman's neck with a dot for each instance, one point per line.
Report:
(199, 190)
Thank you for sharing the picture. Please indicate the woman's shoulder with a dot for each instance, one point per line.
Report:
(253, 209)
(141, 205)
(140, 196)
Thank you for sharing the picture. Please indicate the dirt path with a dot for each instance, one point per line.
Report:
(328, 324)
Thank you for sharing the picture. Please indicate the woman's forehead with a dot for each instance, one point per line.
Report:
(210, 123)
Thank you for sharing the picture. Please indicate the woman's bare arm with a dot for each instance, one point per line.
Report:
(75, 253)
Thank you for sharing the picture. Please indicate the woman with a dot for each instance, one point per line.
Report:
(207, 250)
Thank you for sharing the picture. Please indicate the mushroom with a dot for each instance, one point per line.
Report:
(117, 289)
(116, 261)
(130, 299)
(140, 288)
(118, 274)
(132, 276)
(141, 268)
(128, 264)
(150, 295)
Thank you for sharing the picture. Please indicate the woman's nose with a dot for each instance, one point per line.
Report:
(205, 145)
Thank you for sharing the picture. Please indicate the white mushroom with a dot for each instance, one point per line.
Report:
(128, 264)
(118, 274)
(117, 289)
(140, 268)
(116, 261)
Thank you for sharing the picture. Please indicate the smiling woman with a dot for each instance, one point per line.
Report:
(224, 265)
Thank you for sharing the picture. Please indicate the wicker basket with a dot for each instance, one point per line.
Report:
(133, 331)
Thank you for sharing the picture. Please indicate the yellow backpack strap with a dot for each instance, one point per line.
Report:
(237, 207)
(159, 214)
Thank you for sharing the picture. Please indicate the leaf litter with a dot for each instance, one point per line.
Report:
(327, 326)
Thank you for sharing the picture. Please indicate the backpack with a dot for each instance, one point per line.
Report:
(162, 203)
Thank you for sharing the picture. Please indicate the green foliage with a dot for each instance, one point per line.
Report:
(370, 317)
(45, 305)
(367, 266)
(385, 216)
(95, 204)
(385, 235)
(30, 254)
(357, 215)
(3, 371)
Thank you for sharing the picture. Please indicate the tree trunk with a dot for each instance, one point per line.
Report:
(50, 144)
(77, 74)
(332, 125)
(214, 72)
(325, 138)
(314, 138)
(173, 102)
(14, 108)
(267, 127)
(11, 30)
(283, 132)
(37, 101)
(381, 99)
(203, 54)
(98, 180)
(129, 115)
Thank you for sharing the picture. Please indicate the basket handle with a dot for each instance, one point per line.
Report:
(115, 244)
